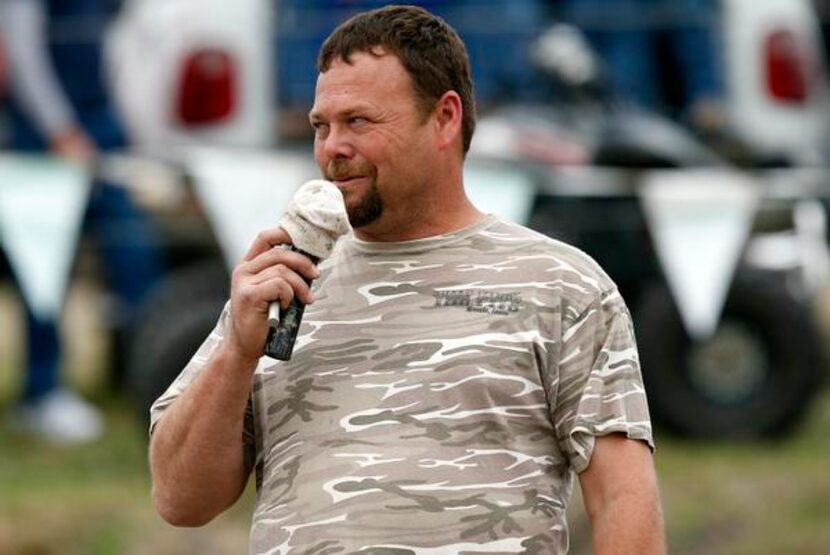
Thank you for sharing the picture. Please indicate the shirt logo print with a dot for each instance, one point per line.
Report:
(475, 300)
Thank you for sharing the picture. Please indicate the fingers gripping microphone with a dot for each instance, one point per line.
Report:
(315, 219)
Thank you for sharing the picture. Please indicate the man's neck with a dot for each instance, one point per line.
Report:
(409, 225)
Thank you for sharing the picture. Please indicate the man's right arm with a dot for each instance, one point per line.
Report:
(196, 450)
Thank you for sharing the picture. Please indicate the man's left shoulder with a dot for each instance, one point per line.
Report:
(541, 253)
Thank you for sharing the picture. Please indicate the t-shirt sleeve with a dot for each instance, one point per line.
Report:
(192, 370)
(600, 388)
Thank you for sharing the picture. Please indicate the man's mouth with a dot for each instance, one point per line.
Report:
(345, 181)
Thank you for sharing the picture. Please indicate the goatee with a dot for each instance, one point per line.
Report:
(368, 210)
(370, 207)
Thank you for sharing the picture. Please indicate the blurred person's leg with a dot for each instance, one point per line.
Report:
(23, 138)
(43, 345)
(696, 48)
(42, 355)
(46, 409)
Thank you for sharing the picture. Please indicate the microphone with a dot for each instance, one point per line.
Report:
(316, 218)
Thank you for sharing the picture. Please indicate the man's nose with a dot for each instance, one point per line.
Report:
(338, 143)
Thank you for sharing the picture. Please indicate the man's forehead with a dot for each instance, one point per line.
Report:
(326, 107)
(362, 77)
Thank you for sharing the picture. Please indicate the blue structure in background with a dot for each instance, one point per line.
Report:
(632, 36)
(497, 34)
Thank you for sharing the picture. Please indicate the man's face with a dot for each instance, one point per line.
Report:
(370, 138)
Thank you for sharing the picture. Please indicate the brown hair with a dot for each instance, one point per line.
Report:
(429, 49)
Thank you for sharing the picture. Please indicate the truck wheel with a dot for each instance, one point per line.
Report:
(754, 377)
(175, 321)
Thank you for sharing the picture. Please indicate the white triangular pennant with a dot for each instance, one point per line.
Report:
(699, 221)
(244, 192)
(501, 190)
(42, 204)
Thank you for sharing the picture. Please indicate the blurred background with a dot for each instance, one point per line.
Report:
(681, 143)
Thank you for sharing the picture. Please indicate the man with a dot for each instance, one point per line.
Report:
(455, 370)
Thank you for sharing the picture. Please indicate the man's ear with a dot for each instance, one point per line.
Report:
(448, 114)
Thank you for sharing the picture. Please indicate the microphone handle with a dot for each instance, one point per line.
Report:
(283, 325)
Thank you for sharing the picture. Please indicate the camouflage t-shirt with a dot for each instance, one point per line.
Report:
(441, 396)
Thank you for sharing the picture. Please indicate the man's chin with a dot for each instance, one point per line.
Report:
(364, 213)
(360, 218)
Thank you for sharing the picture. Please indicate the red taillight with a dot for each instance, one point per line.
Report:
(3, 70)
(207, 89)
(786, 68)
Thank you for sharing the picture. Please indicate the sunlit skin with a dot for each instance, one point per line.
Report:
(399, 171)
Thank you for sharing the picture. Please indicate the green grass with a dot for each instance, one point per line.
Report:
(750, 498)
(743, 498)
(753, 498)
(94, 500)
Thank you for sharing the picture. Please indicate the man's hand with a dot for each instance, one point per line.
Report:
(74, 145)
(266, 274)
(619, 488)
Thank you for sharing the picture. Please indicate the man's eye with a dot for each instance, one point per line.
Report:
(320, 128)
(357, 120)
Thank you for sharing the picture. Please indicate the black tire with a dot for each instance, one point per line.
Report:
(762, 388)
(174, 322)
